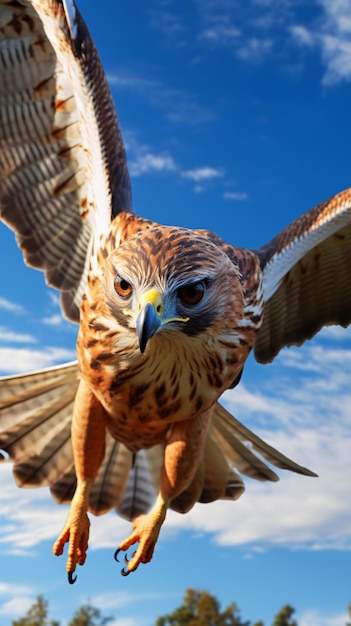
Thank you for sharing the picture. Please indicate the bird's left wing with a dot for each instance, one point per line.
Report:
(306, 274)
(63, 170)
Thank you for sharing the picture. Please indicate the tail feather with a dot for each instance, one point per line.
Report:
(231, 434)
(63, 489)
(142, 484)
(214, 479)
(110, 484)
(221, 482)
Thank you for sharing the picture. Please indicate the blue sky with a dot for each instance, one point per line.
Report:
(236, 117)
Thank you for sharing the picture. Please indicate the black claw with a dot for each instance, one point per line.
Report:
(125, 572)
(71, 580)
(115, 556)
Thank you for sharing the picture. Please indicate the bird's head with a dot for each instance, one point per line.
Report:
(173, 279)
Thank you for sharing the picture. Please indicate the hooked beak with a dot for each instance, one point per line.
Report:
(148, 319)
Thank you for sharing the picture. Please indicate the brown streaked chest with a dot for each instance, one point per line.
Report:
(144, 394)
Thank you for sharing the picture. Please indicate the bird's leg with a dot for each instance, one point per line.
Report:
(146, 529)
(88, 440)
(76, 530)
(183, 453)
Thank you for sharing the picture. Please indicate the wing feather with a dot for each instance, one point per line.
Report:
(35, 423)
(63, 165)
(306, 271)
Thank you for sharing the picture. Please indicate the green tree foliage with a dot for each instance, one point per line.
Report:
(88, 615)
(348, 623)
(283, 618)
(37, 615)
(200, 608)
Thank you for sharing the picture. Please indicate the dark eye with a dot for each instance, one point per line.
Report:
(191, 294)
(122, 287)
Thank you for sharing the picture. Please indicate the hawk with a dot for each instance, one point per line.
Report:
(167, 316)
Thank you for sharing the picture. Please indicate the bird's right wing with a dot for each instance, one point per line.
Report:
(63, 170)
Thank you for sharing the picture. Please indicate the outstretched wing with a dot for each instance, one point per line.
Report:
(63, 171)
(306, 272)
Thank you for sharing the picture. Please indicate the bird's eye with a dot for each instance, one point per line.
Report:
(122, 287)
(191, 294)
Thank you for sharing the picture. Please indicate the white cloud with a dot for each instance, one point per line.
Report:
(314, 618)
(16, 606)
(13, 307)
(201, 174)
(251, 34)
(255, 48)
(142, 160)
(235, 195)
(331, 35)
(55, 319)
(23, 510)
(128, 621)
(302, 35)
(261, 28)
(149, 162)
(18, 598)
(177, 105)
(18, 360)
(221, 33)
(113, 600)
(9, 336)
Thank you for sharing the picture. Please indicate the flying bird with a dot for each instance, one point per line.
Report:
(167, 316)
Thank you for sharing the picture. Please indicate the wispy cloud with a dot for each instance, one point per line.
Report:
(13, 307)
(17, 598)
(201, 174)
(56, 319)
(23, 510)
(149, 162)
(170, 22)
(312, 618)
(18, 360)
(113, 600)
(235, 195)
(267, 29)
(251, 34)
(9, 336)
(224, 33)
(178, 106)
(142, 160)
(331, 35)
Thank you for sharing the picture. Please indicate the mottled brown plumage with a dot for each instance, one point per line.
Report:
(167, 315)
